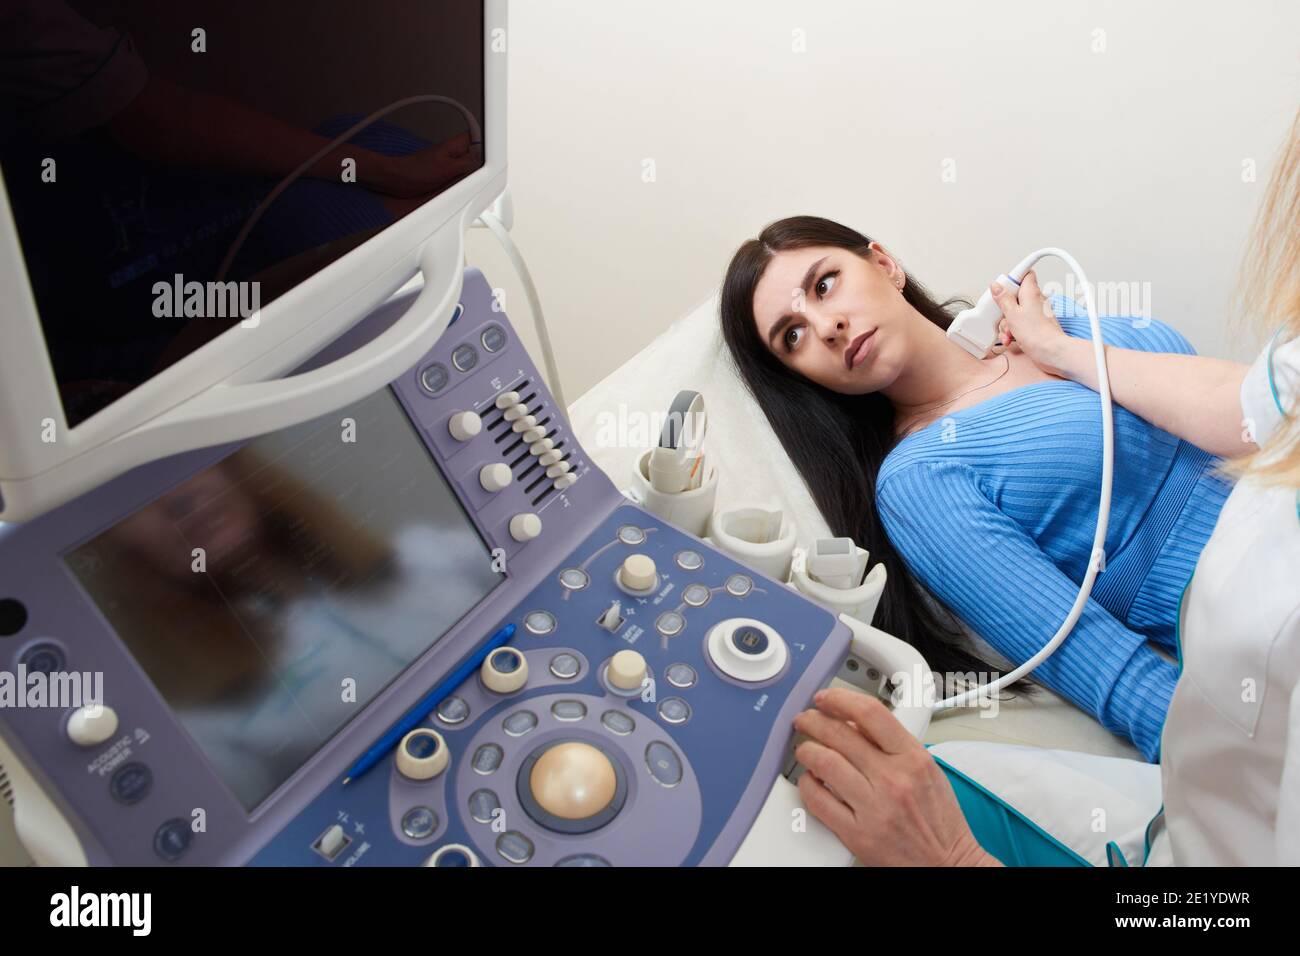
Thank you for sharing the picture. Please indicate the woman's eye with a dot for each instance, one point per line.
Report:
(790, 343)
(828, 277)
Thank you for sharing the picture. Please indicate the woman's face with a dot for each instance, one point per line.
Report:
(835, 317)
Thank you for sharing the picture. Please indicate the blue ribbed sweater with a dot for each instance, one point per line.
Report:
(993, 508)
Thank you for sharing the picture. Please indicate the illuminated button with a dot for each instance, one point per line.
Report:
(525, 526)
(453, 710)
(464, 358)
(569, 710)
(495, 476)
(681, 675)
(487, 758)
(434, 378)
(506, 399)
(172, 839)
(689, 560)
(541, 446)
(575, 579)
(524, 424)
(617, 722)
(573, 781)
(665, 766)
(483, 805)
(92, 725)
(637, 572)
(674, 710)
(564, 481)
(583, 859)
(131, 783)
(464, 425)
(630, 534)
(419, 822)
(493, 338)
(540, 622)
(453, 854)
(515, 412)
(422, 754)
(549, 457)
(670, 623)
(626, 671)
(504, 671)
(519, 723)
(696, 595)
(515, 847)
(558, 469)
(565, 666)
(331, 843)
(739, 585)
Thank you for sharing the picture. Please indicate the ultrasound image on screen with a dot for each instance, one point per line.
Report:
(137, 137)
(327, 567)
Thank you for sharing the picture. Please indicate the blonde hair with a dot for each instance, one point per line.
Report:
(1270, 296)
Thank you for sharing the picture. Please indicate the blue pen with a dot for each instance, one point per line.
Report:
(415, 716)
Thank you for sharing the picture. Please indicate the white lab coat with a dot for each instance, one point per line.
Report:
(1229, 777)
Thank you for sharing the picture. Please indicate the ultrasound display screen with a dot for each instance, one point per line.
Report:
(138, 138)
(272, 595)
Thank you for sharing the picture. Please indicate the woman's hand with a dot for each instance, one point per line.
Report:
(877, 789)
(1028, 320)
(425, 172)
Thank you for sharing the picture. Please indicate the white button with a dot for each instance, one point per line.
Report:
(542, 446)
(638, 572)
(505, 670)
(535, 435)
(422, 754)
(332, 842)
(626, 670)
(494, 477)
(464, 425)
(516, 412)
(564, 481)
(524, 424)
(557, 469)
(549, 458)
(525, 527)
(89, 725)
(506, 399)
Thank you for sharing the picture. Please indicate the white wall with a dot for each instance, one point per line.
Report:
(1131, 157)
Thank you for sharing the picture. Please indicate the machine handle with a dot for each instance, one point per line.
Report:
(230, 412)
(906, 668)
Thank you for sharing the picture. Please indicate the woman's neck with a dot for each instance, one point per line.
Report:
(939, 371)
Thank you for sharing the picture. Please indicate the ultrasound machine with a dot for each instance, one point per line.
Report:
(351, 589)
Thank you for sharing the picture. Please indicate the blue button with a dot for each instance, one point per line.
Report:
(515, 847)
(681, 675)
(42, 658)
(483, 805)
(618, 722)
(131, 783)
(422, 745)
(749, 640)
(453, 710)
(419, 822)
(487, 758)
(505, 661)
(665, 766)
(434, 378)
(569, 710)
(519, 723)
(493, 338)
(453, 856)
(173, 839)
(583, 859)
(674, 710)
(565, 666)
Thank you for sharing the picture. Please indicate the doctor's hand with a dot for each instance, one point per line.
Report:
(873, 784)
(1029, 322)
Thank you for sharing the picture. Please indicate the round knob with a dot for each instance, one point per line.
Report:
(504, 671)
(627, 670)
(525, 527)
(573, 781)
(747, 649)
(638, 572)
(453, 854)
(92, 725)
(495, 476)
(464, 425)
(422, 754)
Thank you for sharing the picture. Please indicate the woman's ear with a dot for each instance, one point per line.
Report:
(885, 262)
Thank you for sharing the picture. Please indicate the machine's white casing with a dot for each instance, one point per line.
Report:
(229, 389)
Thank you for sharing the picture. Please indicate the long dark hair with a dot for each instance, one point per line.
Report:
(836, 441)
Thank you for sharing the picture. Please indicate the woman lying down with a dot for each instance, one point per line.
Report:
(982, 476)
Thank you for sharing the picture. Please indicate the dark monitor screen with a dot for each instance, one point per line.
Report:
(272, 595)
(138, 137)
